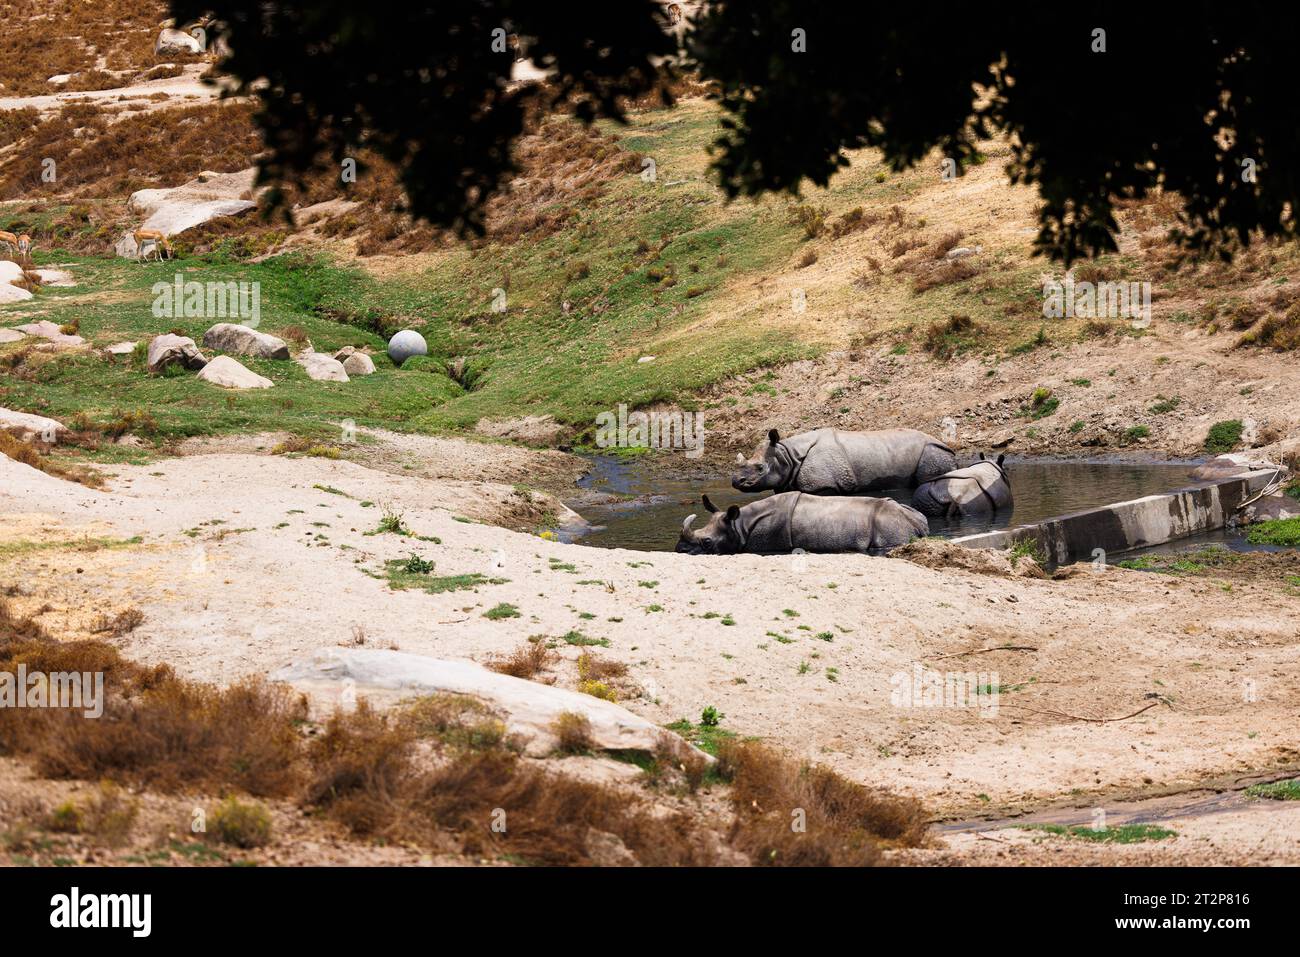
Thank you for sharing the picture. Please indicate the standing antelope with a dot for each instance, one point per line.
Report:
(154, 238)
(22, 246)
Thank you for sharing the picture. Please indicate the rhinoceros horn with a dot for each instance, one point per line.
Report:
(686, 525)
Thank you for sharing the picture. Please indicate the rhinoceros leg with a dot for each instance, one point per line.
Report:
(935, 460)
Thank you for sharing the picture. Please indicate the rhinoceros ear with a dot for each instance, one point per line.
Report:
(981, 456)
(733, 513)
(686, 525)
(1000, 458)
(773, 436)
(708, 506)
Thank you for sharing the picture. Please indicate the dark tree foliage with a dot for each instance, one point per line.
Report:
(1195, 97)
(426, 85)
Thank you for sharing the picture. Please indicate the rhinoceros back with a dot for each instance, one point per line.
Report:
(890, 458)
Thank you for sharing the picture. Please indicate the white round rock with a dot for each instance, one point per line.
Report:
(405, 344)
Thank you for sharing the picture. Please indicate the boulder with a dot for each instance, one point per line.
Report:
(528, 708)
(173, 210)
(169, 349)
(172, 42)
(55, 277)
(321, 367)
(10, 273)
(354, 362)
(231, 374)
(244, 341)
(11, 335)
(1272, 507)
(405, 344)
(1223, 466)
(27, 426)
(120, 349)
(44, 329)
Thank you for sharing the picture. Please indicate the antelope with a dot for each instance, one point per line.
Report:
(151, 237)
(22, 245)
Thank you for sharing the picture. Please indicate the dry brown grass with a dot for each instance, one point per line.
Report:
(591, 668)
(42, 38)
(944, 273)
(156, 730)
(943, 340)
(1277, 331)
(526, 661)
(573, 733)
(123, 623)
(98, 154)
(794, 814)
(28, 453)
(424, 775)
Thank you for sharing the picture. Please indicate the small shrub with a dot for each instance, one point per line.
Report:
(525, 661)
(811, 219)
(123, 623)
(501, 611)
(573, 733)
(591, 668)
(391, 523)
(598, 689)
(1223, 436)
(1280, 531)
(241, 824)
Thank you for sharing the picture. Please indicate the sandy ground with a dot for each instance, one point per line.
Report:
(245, 564)
(184, 90)
(1263, 833)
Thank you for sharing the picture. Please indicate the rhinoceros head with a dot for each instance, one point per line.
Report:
(766, 469)
(718, 537)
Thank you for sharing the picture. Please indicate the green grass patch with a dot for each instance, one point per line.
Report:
(415, 572)
(1223, 436)
(1124, 834)
(1276, 790)
(1281, 531)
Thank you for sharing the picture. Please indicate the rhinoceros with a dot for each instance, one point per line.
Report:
(975, 490)
(831, 462)
(789, 520)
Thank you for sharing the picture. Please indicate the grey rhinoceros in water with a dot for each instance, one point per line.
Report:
(832, 462)
(975, 490)
(788, 520)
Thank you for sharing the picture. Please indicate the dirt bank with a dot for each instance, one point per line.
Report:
(1173, 382)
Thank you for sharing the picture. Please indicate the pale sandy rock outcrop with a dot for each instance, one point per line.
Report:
(231, 374)
(529, 708)
(121, 349)
(321, 367)
(11, 272)
(354, 361)
(50, 331)
(242, 341)
(172, 42)
(170, 211)
(55, 277)
(532, 429)
(27, 426)
(169, 349)
(10, 335)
